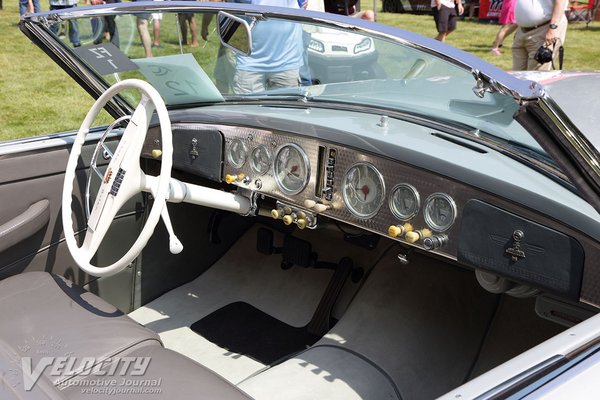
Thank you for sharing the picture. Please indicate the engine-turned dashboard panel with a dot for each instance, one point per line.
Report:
(311, 177)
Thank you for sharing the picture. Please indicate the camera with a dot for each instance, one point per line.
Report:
(543, 55)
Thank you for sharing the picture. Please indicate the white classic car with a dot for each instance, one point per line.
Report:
(264, 220)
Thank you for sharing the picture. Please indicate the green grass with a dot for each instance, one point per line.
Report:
(37, 97)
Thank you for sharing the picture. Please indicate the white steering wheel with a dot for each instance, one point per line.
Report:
(122, 180)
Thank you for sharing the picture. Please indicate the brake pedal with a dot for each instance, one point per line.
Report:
(297, 252)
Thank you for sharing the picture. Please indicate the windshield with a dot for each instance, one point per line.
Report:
(290, 61)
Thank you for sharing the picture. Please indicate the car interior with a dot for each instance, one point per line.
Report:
(306, 252)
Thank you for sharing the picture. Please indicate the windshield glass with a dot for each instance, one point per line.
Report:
(290, 60)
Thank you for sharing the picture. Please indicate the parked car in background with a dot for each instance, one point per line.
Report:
(423, 226)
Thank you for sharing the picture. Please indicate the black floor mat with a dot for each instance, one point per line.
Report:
(244, 329)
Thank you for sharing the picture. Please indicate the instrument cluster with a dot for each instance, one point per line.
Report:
(309, 177)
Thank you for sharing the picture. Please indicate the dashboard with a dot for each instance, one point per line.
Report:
(304, 178)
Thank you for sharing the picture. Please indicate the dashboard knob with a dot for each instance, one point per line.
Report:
(236, 178)
(156, 153)
(309, 203)
(321, 207)
(395, 230)
(276, 214)
(287, 210)
(414, 236)
(435, 241)
(407, 227)
(301, 223)
(288, 219)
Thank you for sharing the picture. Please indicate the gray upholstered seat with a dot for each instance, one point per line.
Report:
(45, 316)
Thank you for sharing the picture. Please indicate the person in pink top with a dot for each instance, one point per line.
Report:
(507, 19)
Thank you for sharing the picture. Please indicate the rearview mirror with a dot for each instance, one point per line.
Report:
(234, 33)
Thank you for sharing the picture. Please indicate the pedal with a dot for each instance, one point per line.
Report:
(264, 241)
(297, 252)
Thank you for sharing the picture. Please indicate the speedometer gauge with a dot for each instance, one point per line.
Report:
(260, 160)
(237, 153)
(404, 201)
(363, 190)
(291, 169)
(440, 212)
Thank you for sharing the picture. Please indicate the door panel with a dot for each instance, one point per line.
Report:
(35, 177)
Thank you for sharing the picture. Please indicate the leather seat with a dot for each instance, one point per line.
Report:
(45, 316)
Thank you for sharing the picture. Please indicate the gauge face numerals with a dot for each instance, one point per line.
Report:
(404, 201)
(291, 169)
(440, 212)
(363, 190)
(238, 153)
(260, 160)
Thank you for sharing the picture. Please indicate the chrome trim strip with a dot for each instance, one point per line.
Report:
(494, 392)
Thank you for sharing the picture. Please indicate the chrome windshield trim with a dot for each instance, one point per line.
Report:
(66, 59)
(587, 152)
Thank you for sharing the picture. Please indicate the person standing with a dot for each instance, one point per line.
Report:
(445, 14)
(277, 54)
(347, 7)
(156, 18)
(107, 24)
(29, 6)
(541, 23)
(507, 19)
(73, 25)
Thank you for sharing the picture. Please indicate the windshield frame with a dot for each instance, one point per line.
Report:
(486, 77)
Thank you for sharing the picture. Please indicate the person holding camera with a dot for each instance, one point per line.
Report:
(542, 29)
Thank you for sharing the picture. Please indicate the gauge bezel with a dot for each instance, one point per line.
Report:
(306, 161)
(345, 197)
(428, 219)
(393, 209)
(252, 161)
(230, 153)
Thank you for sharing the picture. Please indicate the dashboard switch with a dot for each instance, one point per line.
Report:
(276, 214)
(415, 236)
(319, 207)
(435, 241)
(395, 230)
(235, 178)
(288, 219)
(309, 203)
(301, 223)
(156, 153)
(399, 230)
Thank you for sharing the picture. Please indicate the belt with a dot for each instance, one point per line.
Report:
(530, 28)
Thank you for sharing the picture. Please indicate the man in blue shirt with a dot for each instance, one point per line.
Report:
(277, 54)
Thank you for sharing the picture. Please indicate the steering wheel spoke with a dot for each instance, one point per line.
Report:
(122, 180)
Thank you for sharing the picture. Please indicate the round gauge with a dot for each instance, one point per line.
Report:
(404, 201)
(363, 190)
(440, 212)
(260, 160)
(291, 169)
(237, 153)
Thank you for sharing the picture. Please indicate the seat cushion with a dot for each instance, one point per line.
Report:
(45, 315)
(168, 375)
(88, 349)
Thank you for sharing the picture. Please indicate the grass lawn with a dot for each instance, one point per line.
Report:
(37, 97)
